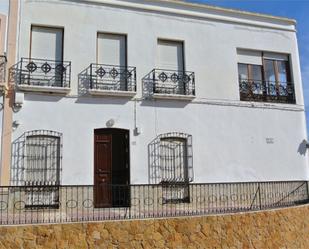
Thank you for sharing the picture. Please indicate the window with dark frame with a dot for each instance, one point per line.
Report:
(269, 82)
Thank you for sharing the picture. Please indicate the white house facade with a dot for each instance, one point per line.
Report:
(151, 92)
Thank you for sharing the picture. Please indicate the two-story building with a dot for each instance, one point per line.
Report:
(151, 92)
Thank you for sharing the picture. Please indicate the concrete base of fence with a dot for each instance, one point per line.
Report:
(283, 228)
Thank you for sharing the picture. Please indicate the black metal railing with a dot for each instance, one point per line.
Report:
(266, 91)
(56, 204)
(173, 82)
(47, 73)
(112, 78)
(3, 62)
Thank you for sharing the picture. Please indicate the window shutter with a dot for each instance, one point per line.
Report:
(276, 56)
(111, 49)
(46, 43)
(170, 55)
(249, 57)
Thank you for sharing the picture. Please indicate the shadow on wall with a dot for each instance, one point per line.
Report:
(147, 86)
(17, 162)
(302, 148)
(83, 82)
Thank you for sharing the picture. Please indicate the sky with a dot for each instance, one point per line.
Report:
(296, 9)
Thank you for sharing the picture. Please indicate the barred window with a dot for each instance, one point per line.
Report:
(173, 159)
(171, 165)
(42, 160)
(36, 164)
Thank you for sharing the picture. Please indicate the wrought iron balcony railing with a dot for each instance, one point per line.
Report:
(112, 78)
(173, 82)
(58, 204)
(266, 91)
(43, 73)
(3, 61)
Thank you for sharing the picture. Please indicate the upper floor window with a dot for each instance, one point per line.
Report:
(110, 72)
(265, 77)
(45, 69)
(46, 43)
(169, 76)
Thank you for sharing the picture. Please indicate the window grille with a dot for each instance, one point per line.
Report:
(37, 165)
(171, 165)
(42, 160)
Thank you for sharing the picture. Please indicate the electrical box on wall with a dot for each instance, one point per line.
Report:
(19, 99)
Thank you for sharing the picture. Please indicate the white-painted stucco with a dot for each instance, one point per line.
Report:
(232, 140)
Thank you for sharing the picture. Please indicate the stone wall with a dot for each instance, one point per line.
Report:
(286, 228)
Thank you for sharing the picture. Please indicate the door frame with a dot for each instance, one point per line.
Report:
(111, 131)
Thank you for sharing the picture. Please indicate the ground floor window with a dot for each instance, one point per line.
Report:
(171, 165)
(36, 163)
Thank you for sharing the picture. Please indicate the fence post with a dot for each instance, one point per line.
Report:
(259, 189)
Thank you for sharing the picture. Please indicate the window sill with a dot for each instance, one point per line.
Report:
(128, 94)
(45, 89)
(173, 96)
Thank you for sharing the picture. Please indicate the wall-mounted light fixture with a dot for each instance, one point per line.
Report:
(110, 123)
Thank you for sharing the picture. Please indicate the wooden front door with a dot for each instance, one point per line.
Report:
(102, 170)
(111, 168)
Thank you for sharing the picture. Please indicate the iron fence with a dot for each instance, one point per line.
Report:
(46, 73)
(173, 82)
(267, 91)
(112, 78)
(57, 204)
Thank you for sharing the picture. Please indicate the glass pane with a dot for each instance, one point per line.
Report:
(256, 84)
(256, 73)
(282, 71)
(270, 71)
(243, 72)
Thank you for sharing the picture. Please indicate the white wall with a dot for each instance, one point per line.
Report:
(229, 136)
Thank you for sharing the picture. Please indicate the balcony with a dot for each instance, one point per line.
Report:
(61, 204)
(266, 91)
(3, 61)
(38, 75)
(111, 80)
(170, 84)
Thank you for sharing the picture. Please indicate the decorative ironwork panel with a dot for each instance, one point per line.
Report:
(112, 78)
(266, 91)
(38, 72)
(3, 62)
(173, 82)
